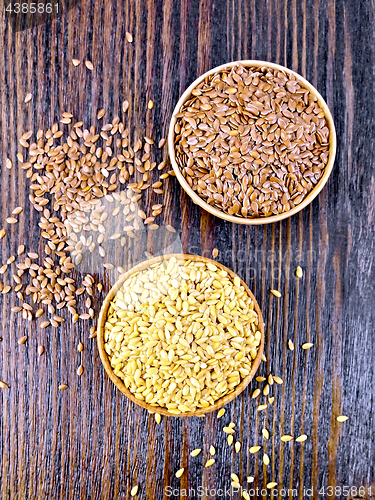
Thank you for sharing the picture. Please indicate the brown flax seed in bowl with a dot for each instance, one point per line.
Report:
(251, 142)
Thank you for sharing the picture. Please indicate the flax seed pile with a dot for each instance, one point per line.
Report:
(251, 142)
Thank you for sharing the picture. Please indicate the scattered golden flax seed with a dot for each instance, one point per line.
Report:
(263, 358)
(278, 380)
(3, 385)
(271, 400)
(237, 446)
(260, 379)
(261, 407)
(22, 340)
(286, 438)
(157, 418)
(180, 472)
(235, 484)
(80, 347)
(2, 233)
(215, 253)
(76, 62)
(89, 65)
(301, 438)
(210, 462)
(265, 433)
(271, 485)
(266, 459)
(44, 324)
(266, 390)
(232, 425)
(245, 495)
(170, 228)
(299, 272)
(195, 452)
(308, 345)
(80, 370)
(28, 98)
(234, 477)
(150, 104)
(134, 491)
(250, 479)
(228, 430)
(125, 106)
(20, 250)
(230, 440)
(290, 345)
(342, 418)
(276, 293)
(212, 450)
(62, 387)
(254, 449)
(220, 413)
(8, 163)
(40, 350)
(129, 37)
(255, 393)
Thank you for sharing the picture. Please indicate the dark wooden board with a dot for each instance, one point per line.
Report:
(89, 442)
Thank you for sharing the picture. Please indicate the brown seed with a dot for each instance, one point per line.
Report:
(89, 65)
(11, 220)
(129, 37)
(80, 370)
(276, 293)
(3, 385)
(62, 387)
(215, 253)
(8, 163)
(2, 233)
(40, 350)
(80, 347)
(76, 62)
(150, 104)
(22, 340)
(44, 324)
(28, 98)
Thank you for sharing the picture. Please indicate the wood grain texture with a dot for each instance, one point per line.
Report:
(90, 442)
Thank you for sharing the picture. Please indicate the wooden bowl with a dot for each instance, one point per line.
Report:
(119, 383)
(259, 220)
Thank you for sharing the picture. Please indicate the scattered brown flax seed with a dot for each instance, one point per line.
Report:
(28, 98)
(40, 350)
(17, 210)
(89, 65)
(2, 233)
(8, 163)
(22, 340)
(76, 62)
(80, 370)
(80, 347)
(62, 387)
(129, 37)
(271, 485)
(3, 385)
(215, 253)
(11, 220)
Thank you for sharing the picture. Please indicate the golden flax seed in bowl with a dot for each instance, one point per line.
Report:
(180, 335)
(252, 142)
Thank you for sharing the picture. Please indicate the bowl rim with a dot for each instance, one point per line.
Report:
(259, 220)
(119, 383)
